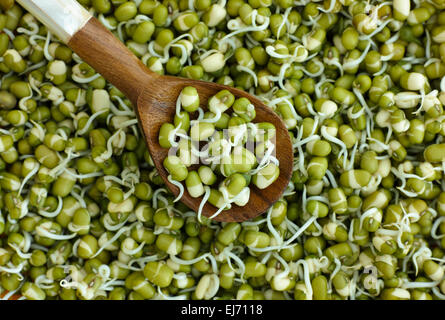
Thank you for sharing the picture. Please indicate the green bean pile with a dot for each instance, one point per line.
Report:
(360, 86)
(241, 152)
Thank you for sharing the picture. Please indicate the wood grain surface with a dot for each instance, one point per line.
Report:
(154, 98)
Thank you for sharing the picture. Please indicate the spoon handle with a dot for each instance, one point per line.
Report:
(93, 43)
(64, 18)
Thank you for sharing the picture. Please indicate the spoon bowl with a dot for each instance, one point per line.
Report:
(153, 111)
(154, 97)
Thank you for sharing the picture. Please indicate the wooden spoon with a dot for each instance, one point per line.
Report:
(155, 97)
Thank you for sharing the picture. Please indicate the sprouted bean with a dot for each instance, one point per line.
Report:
(360, 86)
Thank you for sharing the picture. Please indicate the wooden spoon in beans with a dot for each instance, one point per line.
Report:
(154, 97)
